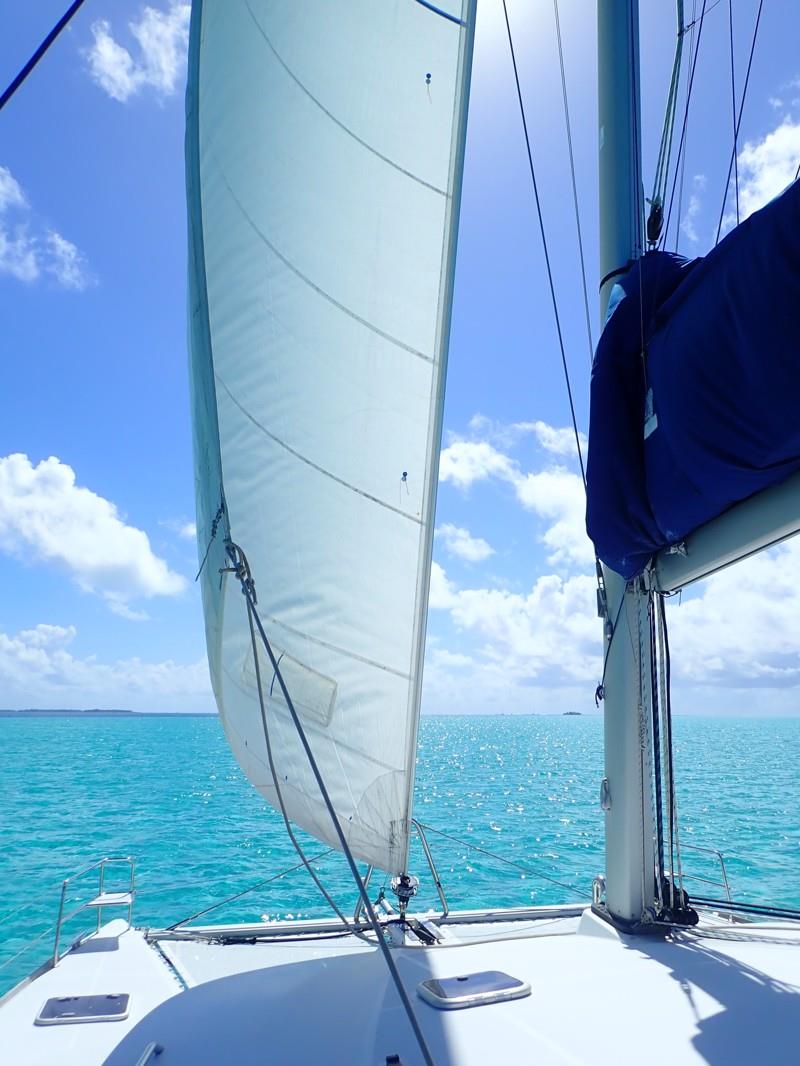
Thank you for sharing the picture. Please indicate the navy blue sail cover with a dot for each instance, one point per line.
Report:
(695, 397)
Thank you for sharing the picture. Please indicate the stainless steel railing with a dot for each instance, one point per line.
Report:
(101, 900)
(723, 884)
(431, 864)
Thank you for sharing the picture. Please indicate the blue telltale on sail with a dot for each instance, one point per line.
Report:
(695, 396)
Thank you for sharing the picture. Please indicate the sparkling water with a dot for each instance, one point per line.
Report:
(523, 790)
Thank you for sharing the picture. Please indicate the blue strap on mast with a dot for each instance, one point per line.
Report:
(705, 398)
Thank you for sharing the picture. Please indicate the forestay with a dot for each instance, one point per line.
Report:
(324, 155)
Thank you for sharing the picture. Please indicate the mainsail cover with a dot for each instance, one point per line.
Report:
(696, 387)
(324, 157)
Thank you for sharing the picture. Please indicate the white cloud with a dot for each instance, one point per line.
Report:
(460, 542)
(11, 194)
(520, 651)
(162, 39)
(734, 642)
(550, 633)
(767, 166)
(29, 249)
(464, 462)
(441, 592)
(554, 494)
(180, 527)
(37, 669)
(557, 495)
(110, 64)
(689, 220)
(18, 255)
(556, 440)
(45, 516)
(744, 627)
(66, 264)
(734, 639)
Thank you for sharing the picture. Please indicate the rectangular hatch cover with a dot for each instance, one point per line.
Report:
(66, 1010)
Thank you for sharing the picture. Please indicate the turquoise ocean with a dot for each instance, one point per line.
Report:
(167, 791)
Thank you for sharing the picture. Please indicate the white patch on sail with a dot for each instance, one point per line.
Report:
(313, 695)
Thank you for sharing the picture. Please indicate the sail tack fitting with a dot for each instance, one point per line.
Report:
(405, 887)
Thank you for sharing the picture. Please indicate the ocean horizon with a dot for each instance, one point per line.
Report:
(511, 802)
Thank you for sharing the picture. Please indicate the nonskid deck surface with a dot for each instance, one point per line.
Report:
(727, 995)
(117, 960)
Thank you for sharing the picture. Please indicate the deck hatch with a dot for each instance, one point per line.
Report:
(70, 1010)
(472, 990)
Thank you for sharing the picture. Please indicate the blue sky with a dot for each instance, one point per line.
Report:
(97, 562)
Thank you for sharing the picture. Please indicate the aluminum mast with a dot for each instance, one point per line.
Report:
(627, 789)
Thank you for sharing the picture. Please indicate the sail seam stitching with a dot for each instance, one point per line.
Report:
(341, 651)
(333, 118)
(311, 463)
(313, 285)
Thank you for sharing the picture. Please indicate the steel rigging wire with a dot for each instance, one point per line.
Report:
(602, 599)
(532, 871)
(246, 891)
(655, 218)
(733, 108)
(568, 126)
(739, 119)
(681, 143)
(680, 163)
(545, 249)
(39, 53)
(240, 568)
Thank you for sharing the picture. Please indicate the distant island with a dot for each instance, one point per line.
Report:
(570, 714)
(99, 712)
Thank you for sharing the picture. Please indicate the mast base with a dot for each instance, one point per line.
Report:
(653, 923)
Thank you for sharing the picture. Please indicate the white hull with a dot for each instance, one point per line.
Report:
(722, 993)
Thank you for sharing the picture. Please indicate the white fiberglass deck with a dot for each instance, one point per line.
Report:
(729, 994)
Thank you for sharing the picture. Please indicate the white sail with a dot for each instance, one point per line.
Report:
(324, 155)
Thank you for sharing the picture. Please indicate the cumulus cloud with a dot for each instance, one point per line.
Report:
(550, 633)
(441, 591)
(64, 262)
(464, 462)
(743, 627)
(734, 638)
(514, 650)
(689, 220)
(11, 194)
(18, 254)
(37, 669)
(557, 440)
(460, 542)
(46, 516)
(180, 527)
(555, 494)
(767, 166)
(161, 38)
(29, 248)
(553, 439)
